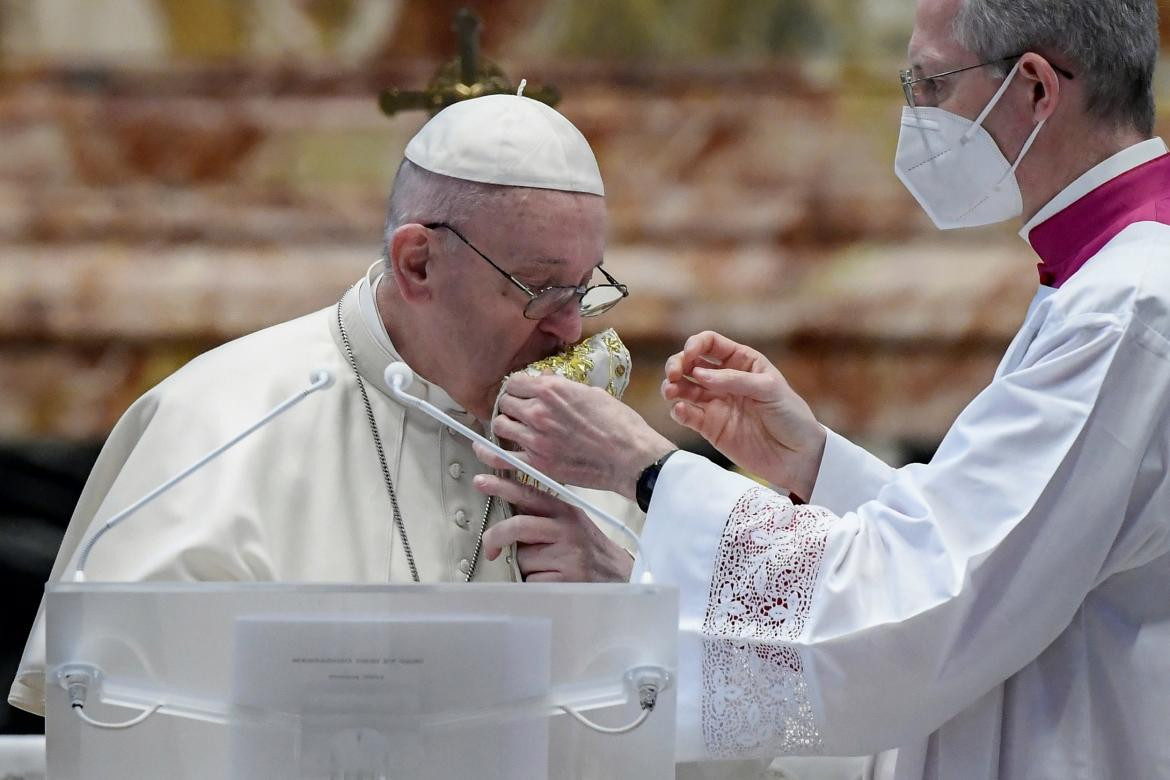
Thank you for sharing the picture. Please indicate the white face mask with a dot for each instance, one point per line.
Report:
(954, 169)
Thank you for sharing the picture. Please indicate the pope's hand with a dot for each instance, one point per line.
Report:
(575, 434)
(738, 401)
(554, 542)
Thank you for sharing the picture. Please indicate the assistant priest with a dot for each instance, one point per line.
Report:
(1002, 611)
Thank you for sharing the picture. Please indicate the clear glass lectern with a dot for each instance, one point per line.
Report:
(361, 682)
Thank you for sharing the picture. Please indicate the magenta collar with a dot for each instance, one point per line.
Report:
(1071, 237)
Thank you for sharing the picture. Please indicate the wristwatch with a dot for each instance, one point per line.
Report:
(644, 489)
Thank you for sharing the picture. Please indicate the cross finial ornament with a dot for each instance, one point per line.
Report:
(467, 26)
(468, 75)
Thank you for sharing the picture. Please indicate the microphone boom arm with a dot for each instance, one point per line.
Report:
(398, 377)
(321, 379)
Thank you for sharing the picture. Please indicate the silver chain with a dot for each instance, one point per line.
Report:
(487, 509)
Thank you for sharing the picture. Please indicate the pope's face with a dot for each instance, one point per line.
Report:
(542, 238)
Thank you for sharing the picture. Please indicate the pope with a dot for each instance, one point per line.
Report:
(492, 255)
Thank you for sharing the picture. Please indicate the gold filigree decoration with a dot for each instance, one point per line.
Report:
(575, 364)
(599, 361)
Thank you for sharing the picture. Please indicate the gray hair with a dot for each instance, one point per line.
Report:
(1112, 45)
(422, 196)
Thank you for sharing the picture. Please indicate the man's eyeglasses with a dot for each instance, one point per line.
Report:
(592, 299)
(923, 92)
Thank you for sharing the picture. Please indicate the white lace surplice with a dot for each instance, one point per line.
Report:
(1001, 613)
(761, 591)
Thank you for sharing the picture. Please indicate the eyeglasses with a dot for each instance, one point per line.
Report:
(592, 299)
(924, 91)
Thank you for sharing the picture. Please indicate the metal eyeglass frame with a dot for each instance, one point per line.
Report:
(577, 290)
(908, 80)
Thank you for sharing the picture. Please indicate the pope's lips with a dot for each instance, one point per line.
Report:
(524, 362)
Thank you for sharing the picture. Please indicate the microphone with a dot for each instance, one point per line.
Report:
(399, 377)
(320, 379)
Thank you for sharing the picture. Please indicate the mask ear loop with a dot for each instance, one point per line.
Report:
(989, 108)
(1011, 172)
(967, 136)
(1027, 146)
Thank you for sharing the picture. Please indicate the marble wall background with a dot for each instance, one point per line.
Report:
(175, 173)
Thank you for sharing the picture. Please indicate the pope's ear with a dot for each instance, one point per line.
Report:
(410, 258)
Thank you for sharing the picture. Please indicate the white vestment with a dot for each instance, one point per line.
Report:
(1001, 612)
(303, 499)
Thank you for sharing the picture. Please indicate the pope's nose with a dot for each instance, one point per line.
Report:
(565, 323)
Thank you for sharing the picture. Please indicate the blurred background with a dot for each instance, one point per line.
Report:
(176, 173)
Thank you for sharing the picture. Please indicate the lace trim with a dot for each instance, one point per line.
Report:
(755, 697)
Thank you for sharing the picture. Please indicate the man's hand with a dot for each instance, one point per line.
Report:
(737, 400)
(575, 434)
(554, 542)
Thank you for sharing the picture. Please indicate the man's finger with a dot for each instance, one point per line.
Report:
(685, 391)
(525, 385)
(523, 497)
(492, 460)
(688, 415)
(519, 529)
(519, 409)
(545, 576)
(745, 384)
(677, 370)
(715, 349)
(532, 558)
(507, 428)
(708, 344)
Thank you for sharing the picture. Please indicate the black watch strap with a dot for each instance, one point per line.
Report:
(644, 490)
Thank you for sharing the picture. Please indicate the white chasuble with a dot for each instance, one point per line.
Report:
(301, 500)
(1001, 612)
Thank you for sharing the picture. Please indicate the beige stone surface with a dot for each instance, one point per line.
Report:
(87, 327)
(225, 171)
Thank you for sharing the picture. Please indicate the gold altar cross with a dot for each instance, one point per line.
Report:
(466, 76)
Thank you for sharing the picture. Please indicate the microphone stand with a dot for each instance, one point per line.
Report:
(321, 379)
(398, 377)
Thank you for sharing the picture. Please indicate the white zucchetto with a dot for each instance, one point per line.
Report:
(510, 140)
